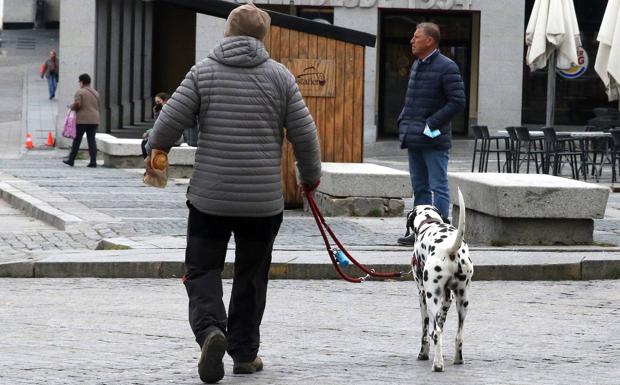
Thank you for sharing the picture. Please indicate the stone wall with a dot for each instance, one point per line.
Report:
(76, 53)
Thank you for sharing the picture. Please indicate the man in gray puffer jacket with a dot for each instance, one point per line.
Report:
(243, 100)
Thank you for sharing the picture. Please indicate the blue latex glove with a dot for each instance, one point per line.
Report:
(431, 133)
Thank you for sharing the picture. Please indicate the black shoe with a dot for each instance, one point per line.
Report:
(67, 161)
(210, 365)
(408, 240)
(446, 220)
(93, 165)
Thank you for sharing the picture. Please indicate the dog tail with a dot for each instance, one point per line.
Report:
(458, 240)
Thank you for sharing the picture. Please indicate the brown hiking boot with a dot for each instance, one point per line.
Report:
(210, 365)
(248, 367)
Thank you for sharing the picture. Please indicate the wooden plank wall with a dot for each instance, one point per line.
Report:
(340, 119)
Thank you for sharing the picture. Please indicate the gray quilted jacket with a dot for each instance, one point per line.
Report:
(243, 100)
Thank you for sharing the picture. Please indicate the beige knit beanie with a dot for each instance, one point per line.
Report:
(247, 20)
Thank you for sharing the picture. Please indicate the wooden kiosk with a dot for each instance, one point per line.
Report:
(328, 62)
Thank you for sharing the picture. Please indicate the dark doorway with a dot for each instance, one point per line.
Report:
(396, 28)
(174, 46)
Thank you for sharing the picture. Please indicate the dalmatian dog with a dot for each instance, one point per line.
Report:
(443, 270)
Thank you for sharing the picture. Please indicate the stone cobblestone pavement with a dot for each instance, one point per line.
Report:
(93, 331)
(139, 210)
(118, 204)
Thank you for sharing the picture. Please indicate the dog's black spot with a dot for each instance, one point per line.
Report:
(444, 236)
(460, 270)
(461, 277)
(438, 292)
(435, 281)
(467, 283)
(425, 275)
(428, 295)
(445, 309)
(438, 268)
(423, 246)
(461, 292)
(431, 248)
(465, 303)
(443, 230)
(439, 276)
(435, 300)
(426, 320)
(438, 240)
(463, 261)
(469, 259)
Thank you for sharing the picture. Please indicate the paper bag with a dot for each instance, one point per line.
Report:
(159, 164)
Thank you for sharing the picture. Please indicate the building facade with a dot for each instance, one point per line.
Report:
(482, 37)
(160, 41)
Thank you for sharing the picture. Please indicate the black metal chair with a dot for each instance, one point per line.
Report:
(514, 143)
(498, 150)
(531, 148)
(477, 150)
(560, 150)
(615, 153)
(597, 152)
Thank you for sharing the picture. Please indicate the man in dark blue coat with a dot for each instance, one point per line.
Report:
(435, 94)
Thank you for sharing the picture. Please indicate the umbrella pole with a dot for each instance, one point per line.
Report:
(551, 89)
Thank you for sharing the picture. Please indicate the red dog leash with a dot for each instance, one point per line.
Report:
(323, 227)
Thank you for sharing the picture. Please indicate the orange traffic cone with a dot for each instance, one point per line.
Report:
(50, 139)
(29, 142)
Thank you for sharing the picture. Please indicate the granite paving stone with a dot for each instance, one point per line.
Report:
(135, 331)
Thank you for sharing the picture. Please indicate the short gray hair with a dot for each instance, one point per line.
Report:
(431, 30)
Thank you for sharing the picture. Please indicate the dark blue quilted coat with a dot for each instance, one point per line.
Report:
(435, 94)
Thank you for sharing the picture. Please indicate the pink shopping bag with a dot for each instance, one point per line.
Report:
(68, 131)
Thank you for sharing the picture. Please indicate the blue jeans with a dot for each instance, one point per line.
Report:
(52, 82)
(428, 169)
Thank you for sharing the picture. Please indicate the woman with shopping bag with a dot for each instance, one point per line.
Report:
(86, 107)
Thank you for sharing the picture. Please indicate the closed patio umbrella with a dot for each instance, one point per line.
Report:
(607, 64)
(552, 36)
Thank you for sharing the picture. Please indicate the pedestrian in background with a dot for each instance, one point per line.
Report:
(50, 71)
(161, 98)
(243, 100)
(435, 94)
(86, 106)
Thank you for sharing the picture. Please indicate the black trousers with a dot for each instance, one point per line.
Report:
(90, 130)
(207, 241)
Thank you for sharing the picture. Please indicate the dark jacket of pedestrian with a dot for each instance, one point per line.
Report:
(435, 93)
(244, 100)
